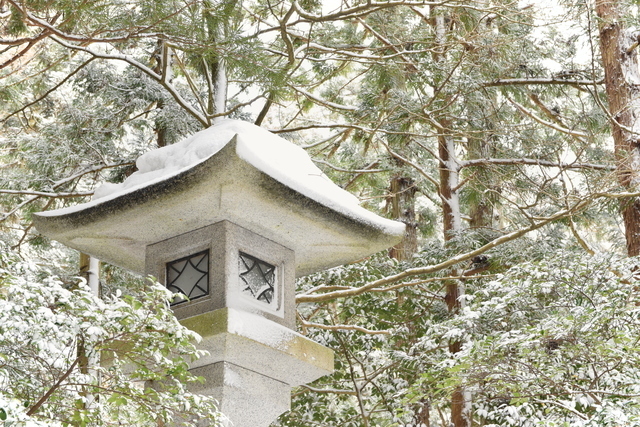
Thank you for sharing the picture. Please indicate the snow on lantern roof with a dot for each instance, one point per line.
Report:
(233, 171)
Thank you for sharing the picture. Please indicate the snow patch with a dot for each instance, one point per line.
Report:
(259, 329)
(269, 153)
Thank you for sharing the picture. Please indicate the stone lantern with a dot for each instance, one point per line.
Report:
(229, 218)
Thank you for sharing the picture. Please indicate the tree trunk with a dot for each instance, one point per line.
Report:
(481, 207)
(618, 47)
(216, 67)
(451, 219)
(90, 270)
(162, 56)
(403, 209)
(452, 224)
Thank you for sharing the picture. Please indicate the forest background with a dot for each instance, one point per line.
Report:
(502, 133)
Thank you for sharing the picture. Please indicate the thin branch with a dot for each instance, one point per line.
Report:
(560, 405)
(328, 390)
(23, 51)
(47, 93)
(339, 169)
(148, 71)
(344, 126)
(325, 102)
(53, 388)
(323, 141)
(548, 81)
(534, 162)
(362, 10)
(62, 182)
(344, 327)
(352, 292)
(46, 194)
(554, 126)
(412, 164)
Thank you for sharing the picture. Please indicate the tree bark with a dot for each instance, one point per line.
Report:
(403, 209)
(618, 48)
(162, 56)
(452, 224)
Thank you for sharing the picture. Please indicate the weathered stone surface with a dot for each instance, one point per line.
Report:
(247, 398)
(256, 343)
(225, 240)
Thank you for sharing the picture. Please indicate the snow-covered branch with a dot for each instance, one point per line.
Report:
(329, 390)
(325, 102)
(362, 10)
(534, 162)
(344, 328)
(135, 32)
(140, 66)
(51, 90)
(554, 126)
(60, 183)
(547, 81)
(339, 169)
(578, 206)
(46, 194)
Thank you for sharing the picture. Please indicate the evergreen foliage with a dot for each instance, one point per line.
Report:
(492, 114)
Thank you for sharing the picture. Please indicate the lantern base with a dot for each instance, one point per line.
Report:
(247, 398)
(253, 363)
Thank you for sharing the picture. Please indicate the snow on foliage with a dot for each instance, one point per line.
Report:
(67, 356)
(549, 342)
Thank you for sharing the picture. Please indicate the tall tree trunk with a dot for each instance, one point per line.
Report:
(403, 201)
(215, 69)
(452, 220)
(452, 224)
(619, 47)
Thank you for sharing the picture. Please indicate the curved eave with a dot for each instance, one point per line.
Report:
(222, 187)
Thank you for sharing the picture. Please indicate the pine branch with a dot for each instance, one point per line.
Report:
(544, 81)
(554, 126)
(47, 93)
(534, 162)
(140, 66)
(135, 32)
(60, 183)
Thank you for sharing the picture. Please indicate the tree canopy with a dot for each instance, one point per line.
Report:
(501, 133)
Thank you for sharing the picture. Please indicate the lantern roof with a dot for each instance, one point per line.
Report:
(232, 171)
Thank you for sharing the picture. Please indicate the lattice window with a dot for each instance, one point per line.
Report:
(189, 276)
(257, 278)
